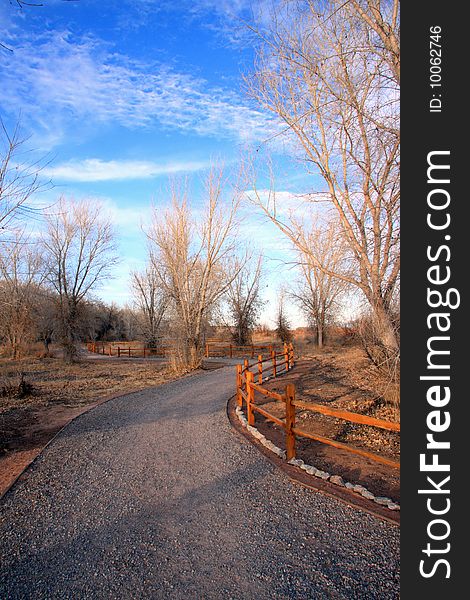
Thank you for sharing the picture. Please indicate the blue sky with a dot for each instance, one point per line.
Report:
(122, 94)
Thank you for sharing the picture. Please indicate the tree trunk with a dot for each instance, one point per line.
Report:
(320, 334)
(384, 329)
(69, 324)
(46, 342)
(194, 354)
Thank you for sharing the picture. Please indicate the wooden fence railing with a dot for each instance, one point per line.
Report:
(111, 349)
(213, 348)
(247, 388)
(233, 350)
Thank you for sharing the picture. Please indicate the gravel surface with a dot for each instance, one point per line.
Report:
(152, 495)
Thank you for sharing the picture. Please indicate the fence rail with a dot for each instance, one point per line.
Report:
(111, 349)
(247, 388)
(213, 348)
(232, 350)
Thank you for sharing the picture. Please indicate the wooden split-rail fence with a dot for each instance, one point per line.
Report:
(249, 383)
(214, 349)
(113, 349)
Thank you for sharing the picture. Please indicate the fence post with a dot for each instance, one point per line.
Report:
(273, 358)
(290, 421)
(250, 393)
(231, 354)
(144, 351)
(129, 351)
(260, 369)
(246, 364)
(239, 385)
(286, 356)
(119, 351)
(252, 351)
(291, 355)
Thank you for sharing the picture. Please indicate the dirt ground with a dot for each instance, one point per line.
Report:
(59, 393)
(342, 378)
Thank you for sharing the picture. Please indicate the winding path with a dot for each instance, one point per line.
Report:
(152, 495)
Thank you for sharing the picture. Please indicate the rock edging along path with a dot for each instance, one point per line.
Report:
(151, 495)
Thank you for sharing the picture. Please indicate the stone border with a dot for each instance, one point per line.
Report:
(311, 470)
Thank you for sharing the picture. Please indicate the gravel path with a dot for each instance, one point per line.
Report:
(152, 495)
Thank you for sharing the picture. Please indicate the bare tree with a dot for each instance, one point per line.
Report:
(22, 272)
(283, 326)
(333, 80)
(244, 300)
(19, 180)
(152, 302)
(131, 322)
(318, 292)
(190, 255)
(45, 318)
(80, 253)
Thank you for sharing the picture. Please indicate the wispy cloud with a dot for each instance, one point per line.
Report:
(228, 19)
(95, 169)
(68, 80)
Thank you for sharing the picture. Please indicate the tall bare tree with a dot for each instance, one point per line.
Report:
(190, 255)
(80, 252)
(22, 272)
(318, 292)
(45, 318)
(151, 300)
(330, 72)
(244, 299)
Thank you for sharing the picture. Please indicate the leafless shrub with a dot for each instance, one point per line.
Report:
(388, 363)
(15, 387)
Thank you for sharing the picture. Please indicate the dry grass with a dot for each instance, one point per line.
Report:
(54, 382)
(371, 391)
(343, 378)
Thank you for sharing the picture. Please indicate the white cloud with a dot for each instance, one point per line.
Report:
(127, 220)
(95, 169)
(66, 81)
